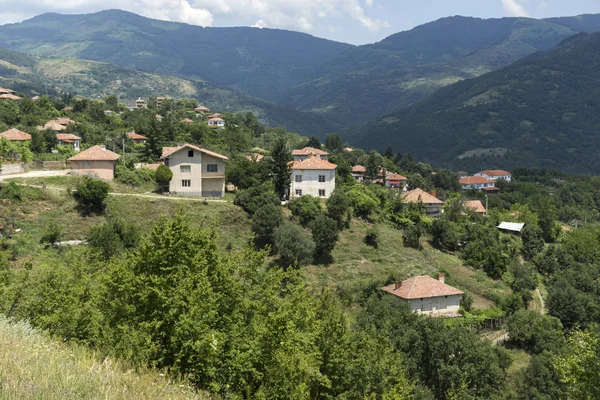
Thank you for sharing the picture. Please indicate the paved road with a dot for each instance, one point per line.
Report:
(36, 174)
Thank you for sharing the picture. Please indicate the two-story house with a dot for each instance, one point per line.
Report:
(495, 174)
(196, 171)
(476, 182)
(311, 173)
(303, 154)
(432, 205)
(216, 122)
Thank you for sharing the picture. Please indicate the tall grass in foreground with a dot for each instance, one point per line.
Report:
(34, 366)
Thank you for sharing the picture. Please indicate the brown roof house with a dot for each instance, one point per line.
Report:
(202, 110)
(427, 295)
(136, 137)
(476, 182)
(96, 161)
(433, 205)
(395, 181)
(68, 139)
(196, 171)
(303, 154)
(216, 122)
(15, 135)
(475, 206)
(314, 176)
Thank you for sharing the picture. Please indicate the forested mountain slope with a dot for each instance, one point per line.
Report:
(258, 61)
(369, 81)
(41, 75)
(541, 111)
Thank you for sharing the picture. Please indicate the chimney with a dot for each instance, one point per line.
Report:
(102, 147)
(397, 285)
(433, 193)
(441, 277)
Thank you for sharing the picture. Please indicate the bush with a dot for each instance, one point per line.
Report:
(135, 177)
(163, 176)
(412, 236)
(91, 194)
(338, 206)
(112, 238)
(305, 208)
(11, 191)
(294, 246)
(445, 235)
(372, 237)
(533, 242)
(325, 235)
(52, 233)
(264, 223)
(253, 198)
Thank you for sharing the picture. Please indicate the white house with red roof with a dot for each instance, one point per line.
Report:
(216, 122)
(495, 174)
(476, 182)
(196, 171)
(312, 174)
(427, 295)
(395, 181)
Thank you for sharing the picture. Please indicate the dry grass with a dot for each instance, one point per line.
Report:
(34, 366)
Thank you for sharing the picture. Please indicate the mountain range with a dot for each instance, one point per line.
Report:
(542, 111)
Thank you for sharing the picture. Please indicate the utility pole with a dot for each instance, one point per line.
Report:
(486, 205)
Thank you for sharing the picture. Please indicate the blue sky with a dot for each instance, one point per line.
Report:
(352, 21)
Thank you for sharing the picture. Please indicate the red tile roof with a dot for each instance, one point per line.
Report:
(358, 169)
(474, 180)
(201, 109)
(6, 91)
(187, 121)
(9, 97)
(65, 121)
(491, 189)
(15, 135)
(307, 151)
(53, 126)
(66, 136)
(421, 287)
(420, 196)
(168, 151)
(95, 153)
(136, 136)
(312, 162)
(396, 177)
(495, 172)
(475, 206)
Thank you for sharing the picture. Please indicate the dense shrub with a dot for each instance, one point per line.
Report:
(305, 209)
(265, 221)
(135, 177)
(338, 207)
(325, 235)
(412, 236)
(90, 194)
(163, 176)
(11, 191)
(372, 237)
(51, 234)
(253, 198)
(294, 246)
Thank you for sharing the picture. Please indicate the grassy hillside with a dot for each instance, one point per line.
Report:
(250, 59)
(35, 366)
(368, 81)
(542, 111)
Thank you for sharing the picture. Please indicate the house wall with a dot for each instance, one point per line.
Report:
(198, 174)
(507, 178)
(11, 169)
(433, 210)
(310, 182)
(104, 170)
(436, 305)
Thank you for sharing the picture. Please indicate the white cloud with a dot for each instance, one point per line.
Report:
(369, 3)
(515, 8)
(543, 5)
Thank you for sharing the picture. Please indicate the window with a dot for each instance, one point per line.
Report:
(321, 178)
(190, 153)
(212, 168)
(298, 192)
(185, 169)
(298, 178)
(321, 192)
(186, 183)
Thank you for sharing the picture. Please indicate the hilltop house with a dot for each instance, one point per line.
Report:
(15, 135)
(495, 174)
(427, 295)
(433, 205)
(312, 175)
(216, 122)
(395, 181)
(64, 139)
(136, 137)
(476, 182)
(359, 172)
(196, 171)
(96, 161)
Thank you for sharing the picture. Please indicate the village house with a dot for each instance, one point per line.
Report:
(303, 154)
(433, 205)
(495, 174)
(312, 175)
(475, 206)
(15, 135)
(216, 122)
(158, 117)
(255, 157)
(96, 161)
(68, 108)
(68, 139)
(427, 295)
(108, 113)
(187, 121)
(358, 173)
(140, 103)
(201, 110)
(476, 182)
(395, 181)
(8, 94)
(462, 174)
(196, 171)
(215, 115)
(7, 91)
(136, 137)
(159, 101)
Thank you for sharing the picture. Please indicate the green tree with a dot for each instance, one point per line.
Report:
(265, 221)
(333, 142)
(253, 198)
(373, 164)
(279, 166)
(372, 237)
(90, 194)
(533, 243)
(325, 235)
(305, 208)
(338, 206)
(314, 141)
(412, 236)
(578, 365)
(51, 234)
(294, 246)
(163, 177)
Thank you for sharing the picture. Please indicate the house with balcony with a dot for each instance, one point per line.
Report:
(476, 182)
(196, 171)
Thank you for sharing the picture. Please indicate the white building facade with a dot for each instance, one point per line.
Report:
(495, 174)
